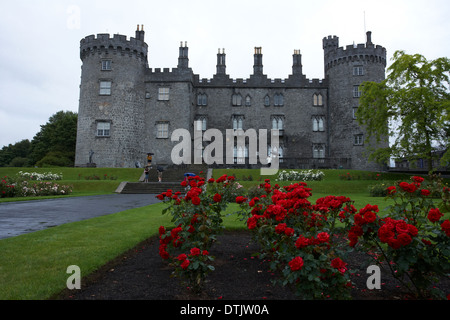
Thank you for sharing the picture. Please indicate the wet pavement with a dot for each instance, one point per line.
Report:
(22, 217)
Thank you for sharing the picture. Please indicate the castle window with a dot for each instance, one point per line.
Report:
(103, 129)
(356, 92)
(248, 101)
(106, 65)
(277, 123)
(318, 151)
(267, 101)
(358, 70)
(105, 88)
(278, 100)
(358, 140)
(200, 123)
(271, 155)
(317, 100)
(318, 123)
(163, 94)
(162, 130)
(238, 122)
(237, 99)
(202, 99)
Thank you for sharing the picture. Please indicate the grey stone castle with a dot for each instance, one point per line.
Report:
(128, 109)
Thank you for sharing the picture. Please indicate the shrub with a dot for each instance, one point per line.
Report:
(302, 240)
(302, 175)
(414, 239)
(197, 218)
(378, 190)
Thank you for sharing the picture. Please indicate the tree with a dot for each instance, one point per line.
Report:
(58, 136)
(15, 154)
(415, 100)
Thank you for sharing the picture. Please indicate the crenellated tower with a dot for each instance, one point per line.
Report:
(111, 99)
(346, 69)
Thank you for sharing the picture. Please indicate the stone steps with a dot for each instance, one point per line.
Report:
(171, 179)
(148, 187)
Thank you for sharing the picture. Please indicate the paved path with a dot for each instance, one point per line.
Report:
(21, 217)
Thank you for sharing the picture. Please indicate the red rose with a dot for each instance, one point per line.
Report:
(391, 190)
(182, 257)
(404, 239)
(296, 263)
(337, 263)
(301, 242)
(434, 215)
(370, 217)
(195, 252)
(323, 237)
(408, 187)
(217, 197)
(425, 192)
(280, 228)
(185, 264)
(289, 232)
(183, 183)
(417, 180)
(241, 199)
(162, 230)
(196, 201)
(445, 226)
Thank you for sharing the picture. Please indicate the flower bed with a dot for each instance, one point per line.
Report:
(307, 243)
(301, 175)
(27, 184)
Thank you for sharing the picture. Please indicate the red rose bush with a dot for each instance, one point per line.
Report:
(301, 239)
(413, 237)
(197, 218)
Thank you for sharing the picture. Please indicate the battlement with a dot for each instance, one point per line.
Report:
(118, 44)
(335, 55)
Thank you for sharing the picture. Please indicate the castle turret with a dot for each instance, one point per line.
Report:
(346, 69)
(111, 100)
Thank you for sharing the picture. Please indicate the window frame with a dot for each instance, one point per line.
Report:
(103, 128)
(105, 90)
(163, 93)
(162, 130)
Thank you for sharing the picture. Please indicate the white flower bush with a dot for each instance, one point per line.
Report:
(41, 188)
(300, 175)
(40, 176)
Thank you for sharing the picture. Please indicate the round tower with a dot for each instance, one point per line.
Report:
(345, 69)
(111, 105)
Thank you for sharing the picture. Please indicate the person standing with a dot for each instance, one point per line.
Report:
(146, 173)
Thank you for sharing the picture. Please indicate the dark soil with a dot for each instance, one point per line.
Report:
(141, 274)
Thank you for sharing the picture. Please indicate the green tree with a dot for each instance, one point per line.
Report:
(15, 154)
(415, 100)
(57, 137)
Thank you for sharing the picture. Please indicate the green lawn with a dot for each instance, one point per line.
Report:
(33, 266)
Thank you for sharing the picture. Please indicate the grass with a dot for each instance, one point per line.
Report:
(33, 266)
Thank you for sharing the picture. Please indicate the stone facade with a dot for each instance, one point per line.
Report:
(128, 109)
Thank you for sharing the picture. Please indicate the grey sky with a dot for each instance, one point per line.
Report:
(39, 55)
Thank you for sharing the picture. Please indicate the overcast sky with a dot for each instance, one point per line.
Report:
(40, 65)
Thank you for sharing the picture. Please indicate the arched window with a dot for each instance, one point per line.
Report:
(267, 101)
(248, 101)
(317, 99)
(318, 123)
(202, 99)
(278, 100)
(237, 99)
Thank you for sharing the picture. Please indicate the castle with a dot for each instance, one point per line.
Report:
(127, 109)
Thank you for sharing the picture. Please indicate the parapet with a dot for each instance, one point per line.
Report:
(335, 55)
(118, 44)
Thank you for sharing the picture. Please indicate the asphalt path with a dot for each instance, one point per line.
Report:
(22, 217)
